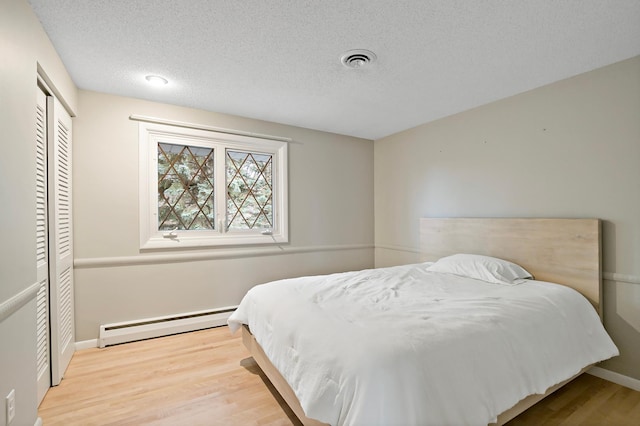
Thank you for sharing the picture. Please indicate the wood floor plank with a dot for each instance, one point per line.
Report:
(208, 378)
(588, 400)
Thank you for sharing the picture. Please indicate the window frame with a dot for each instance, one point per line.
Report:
(150, 134)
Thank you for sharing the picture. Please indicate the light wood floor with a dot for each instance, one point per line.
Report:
(208, 378)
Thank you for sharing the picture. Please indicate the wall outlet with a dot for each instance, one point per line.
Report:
(11, 406)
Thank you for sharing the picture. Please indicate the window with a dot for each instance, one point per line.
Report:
(203, 188)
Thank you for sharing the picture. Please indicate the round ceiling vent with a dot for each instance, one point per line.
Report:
(357, 58)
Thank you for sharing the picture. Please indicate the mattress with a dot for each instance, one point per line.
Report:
(407, 346)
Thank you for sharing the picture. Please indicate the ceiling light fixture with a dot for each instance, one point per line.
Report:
(156, 80)
(357, 58)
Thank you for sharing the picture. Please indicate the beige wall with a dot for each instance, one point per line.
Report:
(23, 47)
(569, 149)
(330, 218)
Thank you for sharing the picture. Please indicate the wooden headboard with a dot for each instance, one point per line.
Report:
(563, 251)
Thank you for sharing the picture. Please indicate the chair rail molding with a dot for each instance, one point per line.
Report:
(14, 303)
(623, 278)
(148, 259)
(607, 276)
(398, 248)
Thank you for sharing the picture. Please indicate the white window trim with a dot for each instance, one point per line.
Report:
(151, 238)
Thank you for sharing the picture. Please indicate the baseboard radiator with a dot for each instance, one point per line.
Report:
(130, 331)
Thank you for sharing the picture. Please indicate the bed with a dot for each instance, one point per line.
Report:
(425, 344)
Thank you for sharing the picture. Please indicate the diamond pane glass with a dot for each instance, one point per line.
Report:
(249, 190)
(185, 187)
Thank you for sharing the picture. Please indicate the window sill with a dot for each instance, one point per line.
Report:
(185, 242)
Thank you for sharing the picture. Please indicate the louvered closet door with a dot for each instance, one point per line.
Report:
(42, 261)
(60, 240)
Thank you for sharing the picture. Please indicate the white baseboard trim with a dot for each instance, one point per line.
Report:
(614, 377)
(131, 331)
(147, 328)
(86, 344)
(38, 422)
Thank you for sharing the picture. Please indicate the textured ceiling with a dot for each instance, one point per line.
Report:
(279, 60)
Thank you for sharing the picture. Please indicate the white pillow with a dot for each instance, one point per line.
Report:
(485, 268)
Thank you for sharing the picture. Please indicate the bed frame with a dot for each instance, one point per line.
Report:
(563, 251)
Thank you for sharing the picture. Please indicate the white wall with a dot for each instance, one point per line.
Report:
(330, 218)
(569, 149)
(23, 46)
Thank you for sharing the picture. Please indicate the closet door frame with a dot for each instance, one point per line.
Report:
(60, 240)
(60, 235)
(42, 250)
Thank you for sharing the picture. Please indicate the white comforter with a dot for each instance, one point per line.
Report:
(404, 346)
